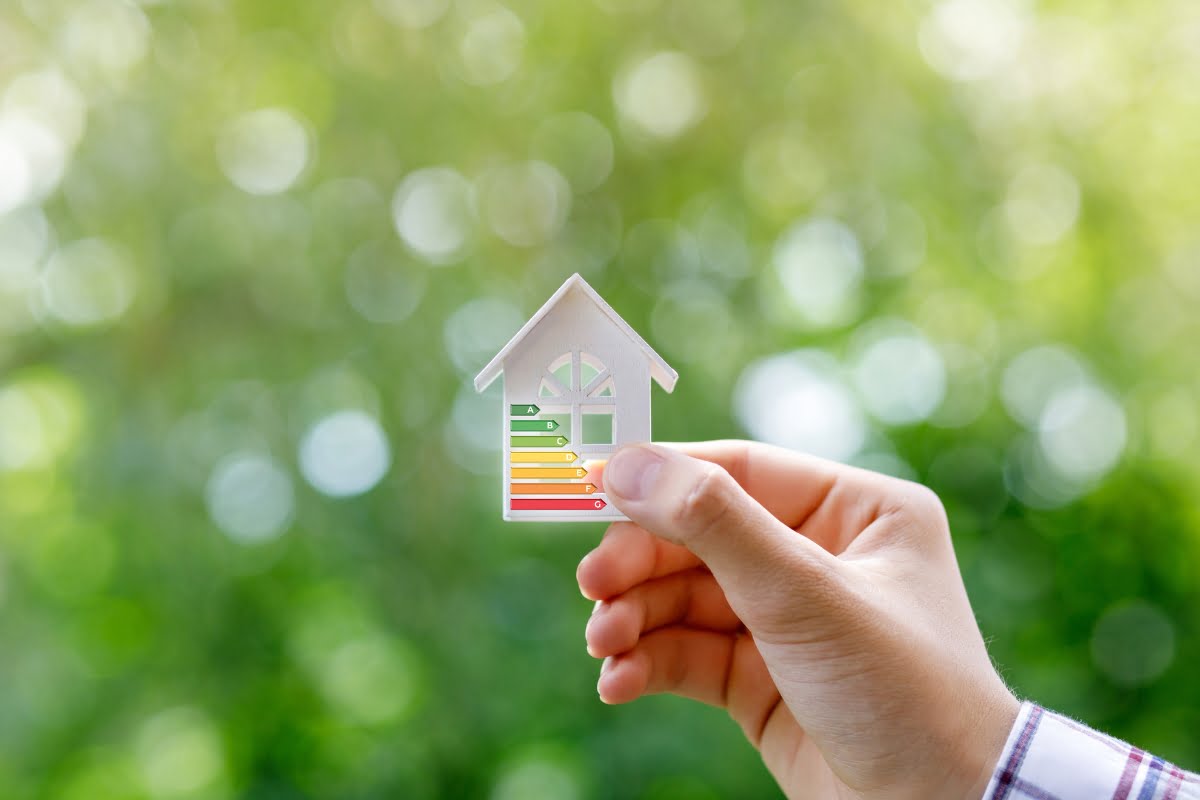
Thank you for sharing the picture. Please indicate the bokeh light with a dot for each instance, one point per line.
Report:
(264, 151)
(471, 332)
(536, 776)
(579, 146)
(251, 258)
(467, 432)
(105, 39)
(1082, 432)
(180, 754)
(525, 204)
(800, 400)
(820, 266)
(382, 285)
(88, 282)
(25, 237)
(250, 497)
(661, 96)
(969, 40)
(1133, 643)
(345, 454)
(491, 47)
(434, 213)
(370, 680)
(1042, 203)
(900, 376)
(41, 418)
(1035, 376)
(692, 321)
(33, 158)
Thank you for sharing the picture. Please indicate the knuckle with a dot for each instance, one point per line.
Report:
(922, 511)
(925, 503)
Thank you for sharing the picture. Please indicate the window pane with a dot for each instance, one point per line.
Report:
(590, 368)
(597, 427)
(603, 390)
(587, 373)
(563, 374)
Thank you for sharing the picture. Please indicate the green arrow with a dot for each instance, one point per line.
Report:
(523, 410)
(535, 425)
(538, 441)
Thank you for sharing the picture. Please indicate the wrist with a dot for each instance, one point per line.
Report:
(985, 740)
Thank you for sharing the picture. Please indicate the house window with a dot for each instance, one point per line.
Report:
(598, 425)
(580, 381)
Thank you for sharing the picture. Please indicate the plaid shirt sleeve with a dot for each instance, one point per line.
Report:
(1051, 757)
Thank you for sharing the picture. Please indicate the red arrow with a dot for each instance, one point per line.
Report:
(524, 504)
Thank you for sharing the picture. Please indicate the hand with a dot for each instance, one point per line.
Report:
(820, 604)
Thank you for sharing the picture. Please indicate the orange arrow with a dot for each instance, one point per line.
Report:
(552, 488)
(543, 457)
(548, 472)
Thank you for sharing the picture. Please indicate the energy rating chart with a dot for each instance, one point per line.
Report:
(544, 472)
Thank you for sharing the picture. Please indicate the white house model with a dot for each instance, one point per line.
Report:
(576, 387)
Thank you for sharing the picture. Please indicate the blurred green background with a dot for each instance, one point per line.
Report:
(251, 254)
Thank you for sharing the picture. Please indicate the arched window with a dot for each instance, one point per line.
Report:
(579, 392)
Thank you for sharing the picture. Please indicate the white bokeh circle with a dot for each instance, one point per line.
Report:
(345, 453)
(250, 497)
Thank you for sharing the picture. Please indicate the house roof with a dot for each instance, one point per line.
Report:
(660, 370)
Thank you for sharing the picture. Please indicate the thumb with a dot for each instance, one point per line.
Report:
(760, 563)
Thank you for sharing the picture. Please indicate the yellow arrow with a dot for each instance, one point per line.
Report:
(548, 472)
(543, 457)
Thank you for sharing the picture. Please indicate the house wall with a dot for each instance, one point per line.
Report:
(576, 324)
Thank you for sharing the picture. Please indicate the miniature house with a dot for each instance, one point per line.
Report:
(576, 387)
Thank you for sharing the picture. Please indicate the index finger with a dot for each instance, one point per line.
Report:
(626, 556)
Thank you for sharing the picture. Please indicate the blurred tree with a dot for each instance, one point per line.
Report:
(252, 252)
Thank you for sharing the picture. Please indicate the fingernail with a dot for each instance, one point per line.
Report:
(599, 608)
(631, 473)
(579, 571)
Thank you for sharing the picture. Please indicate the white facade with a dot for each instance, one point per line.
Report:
(587, 373)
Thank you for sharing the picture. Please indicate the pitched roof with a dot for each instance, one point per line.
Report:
(660, 370)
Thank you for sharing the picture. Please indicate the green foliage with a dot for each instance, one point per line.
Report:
(251, 254)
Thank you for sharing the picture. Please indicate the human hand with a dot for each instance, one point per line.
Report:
(820, 604)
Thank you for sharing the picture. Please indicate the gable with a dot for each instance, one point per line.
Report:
(660, 370)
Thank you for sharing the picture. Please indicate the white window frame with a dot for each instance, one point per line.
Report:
(577, 396)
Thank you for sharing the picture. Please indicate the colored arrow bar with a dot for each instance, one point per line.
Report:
(539, 441)
(557, 505)
(552, 488)
(523, 410)
(548, 472)
(533, 425)
(544, 457)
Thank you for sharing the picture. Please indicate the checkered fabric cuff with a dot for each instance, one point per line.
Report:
(1050, 757)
